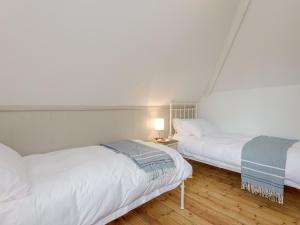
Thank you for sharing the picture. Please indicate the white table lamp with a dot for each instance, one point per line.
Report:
(159, 125)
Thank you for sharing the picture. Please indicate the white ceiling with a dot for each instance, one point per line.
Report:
(109, 52)
(267, 49)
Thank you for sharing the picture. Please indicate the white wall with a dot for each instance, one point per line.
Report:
(109, 52)
(42, 129)
(270, 111)
(101, 53)
(258, 89)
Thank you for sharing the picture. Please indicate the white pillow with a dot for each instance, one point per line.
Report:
(178, 127)
(195, 127)
(14, 182)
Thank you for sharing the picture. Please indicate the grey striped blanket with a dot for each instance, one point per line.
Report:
(154, 162)
(263, 166)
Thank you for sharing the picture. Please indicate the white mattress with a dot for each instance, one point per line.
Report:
(224, 150)
(91, 185)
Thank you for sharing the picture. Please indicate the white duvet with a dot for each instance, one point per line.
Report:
(91, 185)
(225, 150)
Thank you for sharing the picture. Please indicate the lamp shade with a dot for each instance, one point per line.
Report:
(159, 124)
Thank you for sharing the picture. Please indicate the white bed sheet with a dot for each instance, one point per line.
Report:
(224, 150)
(75, 186)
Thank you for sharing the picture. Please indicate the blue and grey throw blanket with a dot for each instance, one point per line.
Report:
(154, 162)
(263, 166)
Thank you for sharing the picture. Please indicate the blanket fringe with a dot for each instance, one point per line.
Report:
(263, 192)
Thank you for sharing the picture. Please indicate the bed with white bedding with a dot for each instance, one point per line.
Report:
(224, 150)
(90, 185)
(201, 141)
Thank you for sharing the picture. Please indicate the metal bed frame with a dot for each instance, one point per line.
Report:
(182, 110)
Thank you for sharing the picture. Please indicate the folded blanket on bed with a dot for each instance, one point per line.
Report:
(154, 162)
(263, 166)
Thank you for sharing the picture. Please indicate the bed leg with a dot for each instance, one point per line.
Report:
(182, 196)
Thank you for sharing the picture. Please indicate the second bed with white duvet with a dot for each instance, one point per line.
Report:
(224, 150)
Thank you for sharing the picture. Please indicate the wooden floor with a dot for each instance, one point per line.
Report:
(214, 196)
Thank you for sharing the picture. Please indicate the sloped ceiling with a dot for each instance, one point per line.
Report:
(266, 51)
(109, 52)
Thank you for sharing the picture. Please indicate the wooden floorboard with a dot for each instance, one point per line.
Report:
(213, 196)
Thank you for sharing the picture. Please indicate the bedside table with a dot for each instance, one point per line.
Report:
(171, 144)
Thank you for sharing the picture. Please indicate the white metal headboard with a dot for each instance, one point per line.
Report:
(182, 110)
